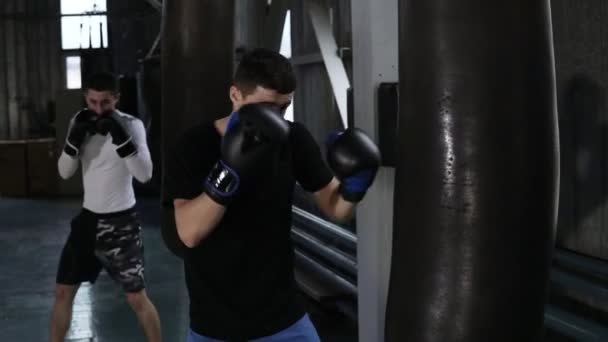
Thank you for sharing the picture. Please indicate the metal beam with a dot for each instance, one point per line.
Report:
(154, 45)
(573, 326)
(581, 263)
(327, 274)
(319, 16)
(311, 58)
(156, 4)
(334, 256)
(326, 228)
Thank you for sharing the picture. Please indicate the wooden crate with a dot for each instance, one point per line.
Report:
(28, 167)
(42, 167)
(13, 171)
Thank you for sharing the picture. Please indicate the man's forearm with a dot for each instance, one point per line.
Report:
(67, 165)
(195, 219)
(140, 165)
(340, 209)
(331, 202)
(343, 209)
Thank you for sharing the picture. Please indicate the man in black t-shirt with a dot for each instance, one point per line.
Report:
(229, 186)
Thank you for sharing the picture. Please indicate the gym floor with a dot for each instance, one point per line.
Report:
(32, 233)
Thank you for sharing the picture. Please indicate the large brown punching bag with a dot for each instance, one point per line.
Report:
(197, 57)
(477, 175)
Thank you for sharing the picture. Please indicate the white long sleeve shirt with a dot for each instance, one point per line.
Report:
(107, 178)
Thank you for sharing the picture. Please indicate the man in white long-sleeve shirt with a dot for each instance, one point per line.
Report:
(111, 148)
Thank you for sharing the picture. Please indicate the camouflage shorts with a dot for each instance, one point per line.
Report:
(109, 241)
(119, 248)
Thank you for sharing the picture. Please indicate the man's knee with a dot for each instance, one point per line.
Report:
(65, 294)
(137, 300)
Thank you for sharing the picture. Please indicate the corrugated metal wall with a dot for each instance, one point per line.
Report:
(314, 103)
(581, 53)
(30, 66)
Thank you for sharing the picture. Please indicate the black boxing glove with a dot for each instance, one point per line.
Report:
(252, 135)
(83, 123)
(354, 158)
(113, 123)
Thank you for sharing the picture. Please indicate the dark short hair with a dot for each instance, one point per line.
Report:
(265, 68)
(102, 81)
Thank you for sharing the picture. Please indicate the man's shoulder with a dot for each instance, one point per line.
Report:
(296, 130)
(128, 117)
(299, 134)
(296, 126)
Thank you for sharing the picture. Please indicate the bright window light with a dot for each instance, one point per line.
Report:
(83, 32)
(83, 6)
(285, 50)
(289, 111)
(286, 37)
(73, 74)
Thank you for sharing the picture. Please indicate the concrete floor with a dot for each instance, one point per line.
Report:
(32, 233)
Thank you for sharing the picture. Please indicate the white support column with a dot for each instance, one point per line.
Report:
(319, 16)
(375, 58)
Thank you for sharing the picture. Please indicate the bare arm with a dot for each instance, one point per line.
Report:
(195, 219)
(331, 203)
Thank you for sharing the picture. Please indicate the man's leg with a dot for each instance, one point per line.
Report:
(61, 315)
(146, 314)
(120, 249)
(76, 265)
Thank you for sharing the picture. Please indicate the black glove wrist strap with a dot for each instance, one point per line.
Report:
(222, 183)
(126, 149)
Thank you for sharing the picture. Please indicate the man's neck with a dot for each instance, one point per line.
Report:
(220, 124)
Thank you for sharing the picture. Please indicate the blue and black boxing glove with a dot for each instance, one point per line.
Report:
(252, 134)
(354, 158)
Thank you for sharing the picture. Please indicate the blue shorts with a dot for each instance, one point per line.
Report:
(300, 331)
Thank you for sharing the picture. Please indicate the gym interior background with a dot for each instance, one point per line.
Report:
(346, 55)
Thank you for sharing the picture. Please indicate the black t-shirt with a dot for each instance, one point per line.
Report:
(240, 277)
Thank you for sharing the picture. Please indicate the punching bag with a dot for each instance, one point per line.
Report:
(477, 173)
(196, 60)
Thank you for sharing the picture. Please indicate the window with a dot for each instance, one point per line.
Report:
(83, 6)
(285, 50)
(73, 72)
(84, 24)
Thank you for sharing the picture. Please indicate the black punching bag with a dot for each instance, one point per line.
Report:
(197, 60)
(477, 173)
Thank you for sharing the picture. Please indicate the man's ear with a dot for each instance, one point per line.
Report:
(235, 94)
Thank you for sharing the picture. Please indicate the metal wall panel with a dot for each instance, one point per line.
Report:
(581, 47)
(30, 66)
